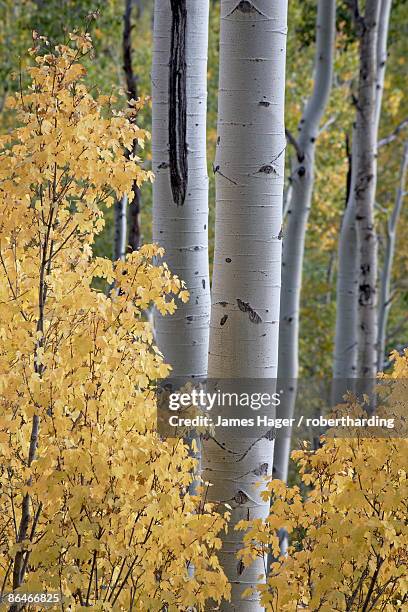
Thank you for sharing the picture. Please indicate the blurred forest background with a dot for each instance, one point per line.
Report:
(105, 21)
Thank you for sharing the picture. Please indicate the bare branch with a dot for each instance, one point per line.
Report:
(292, 140)
(393, 136)
(328, 123)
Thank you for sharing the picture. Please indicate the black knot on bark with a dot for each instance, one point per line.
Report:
(246, 7)
(270, 435)
(240, 568)
(365, 293)
(223, 320)
(241, 497)
(261, 470)
(267, 169)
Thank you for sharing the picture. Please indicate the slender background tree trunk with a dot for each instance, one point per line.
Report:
(297, 217)
(249, 170)
(381, 56)
(349, 298)
(346, 340)
(386, 275)
(365, 188)
(133, 216)
(120, 228)
(127, 214)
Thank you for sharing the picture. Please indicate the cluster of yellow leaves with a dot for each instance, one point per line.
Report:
(94, 503)
(349, 535)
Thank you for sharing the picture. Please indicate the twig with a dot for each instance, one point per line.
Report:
(328, 123)
(391, 137)
(292, 140)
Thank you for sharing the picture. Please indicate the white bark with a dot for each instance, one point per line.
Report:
(365, 188)
(346, 336)
(120, 229)
(249, 171)
(346, 341)
(386, 276)
(181, 227)
(297, 217)
(382, 56)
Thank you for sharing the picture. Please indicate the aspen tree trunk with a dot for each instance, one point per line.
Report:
(345, 340)
(297, 217)
(365, 187)
(385, 293)
(133, 221)
(180, 189)
(249, 171)
(384, 303)
(120, 229)
(127, 238)
(347, 317)
(382, 56)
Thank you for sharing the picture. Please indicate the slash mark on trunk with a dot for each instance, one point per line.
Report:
(178, 102)
(246, 307)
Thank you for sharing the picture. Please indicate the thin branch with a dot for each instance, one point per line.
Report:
(328, 123)
(33, 528)
(393, 136)
(292, 140)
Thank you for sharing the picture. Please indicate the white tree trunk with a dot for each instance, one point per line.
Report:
(381, 57)
(120, 229)
(249, 171)
(365, 188)
(386, 276)
(346, 338)
(180, 189)
(297, 217)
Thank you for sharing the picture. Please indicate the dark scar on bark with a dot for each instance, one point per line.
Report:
(178, 102)
(241, 497)
(246, 307)
(261, 470)
(246, 7)
(267, 169)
